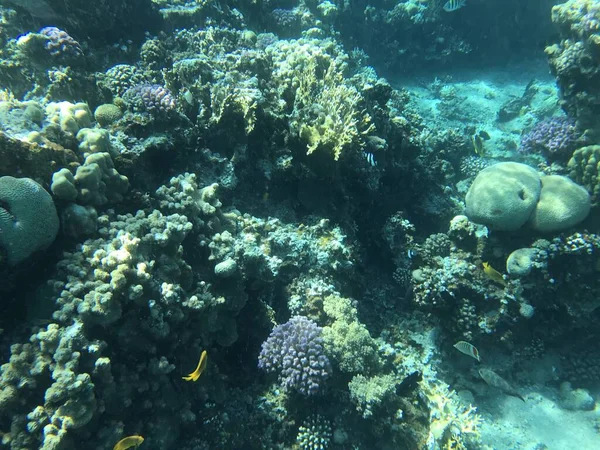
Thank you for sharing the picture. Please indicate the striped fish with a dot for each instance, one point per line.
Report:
(453, 5)
(467, 349)
(370, 158)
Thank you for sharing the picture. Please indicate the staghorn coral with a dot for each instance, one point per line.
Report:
(369, 394)
(452, 424)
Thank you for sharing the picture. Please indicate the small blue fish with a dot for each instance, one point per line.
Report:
(453, 5)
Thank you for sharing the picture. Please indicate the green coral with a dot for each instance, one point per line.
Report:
(347, 340)
(107, 114)
(584, 167)
(370, 393)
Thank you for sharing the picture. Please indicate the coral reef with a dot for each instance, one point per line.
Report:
(574, 61)
(584, 168)
(251, 198)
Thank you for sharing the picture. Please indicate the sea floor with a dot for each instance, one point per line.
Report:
(471, 99)
(538, 423)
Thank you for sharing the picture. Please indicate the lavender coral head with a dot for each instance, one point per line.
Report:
(556, 137)
(295, 350)
(60, 43)
(152, 98)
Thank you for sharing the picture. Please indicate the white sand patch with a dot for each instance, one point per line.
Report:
(510, 424)
(471, 100)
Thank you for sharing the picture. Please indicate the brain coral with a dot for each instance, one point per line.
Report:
(28, 219)
(562, 204)
(503, 196)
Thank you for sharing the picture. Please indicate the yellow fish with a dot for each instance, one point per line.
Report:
(128, 442)
(199, 369)
(493, 274)
(478, 145)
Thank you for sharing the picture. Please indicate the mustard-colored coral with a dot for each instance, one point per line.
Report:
(584, 168)
(327, 111)
(231, 99)
(452, 424)
(348, 340)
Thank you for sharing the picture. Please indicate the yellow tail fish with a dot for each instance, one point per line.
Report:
(199, 369)
(128, 442)
(493, 274)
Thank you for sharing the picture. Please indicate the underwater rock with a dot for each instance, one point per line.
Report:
(31, 159)
(575, 399)
(520, 262)
(79, 220)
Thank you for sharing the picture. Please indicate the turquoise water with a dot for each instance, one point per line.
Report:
(299, 225)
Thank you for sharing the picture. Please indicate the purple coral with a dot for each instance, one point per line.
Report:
(295, 350)
(556, 137)
(152, 98)
(60, 43)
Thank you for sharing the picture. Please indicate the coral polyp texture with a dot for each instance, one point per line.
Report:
(574, 60)
(60, 43)
(556, 138)
(295, 351)
(151, 98)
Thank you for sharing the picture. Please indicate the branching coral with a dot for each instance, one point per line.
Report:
(453, 425)
(295, 350)
(327, 111)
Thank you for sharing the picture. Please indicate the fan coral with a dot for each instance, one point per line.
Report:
(295, 350)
